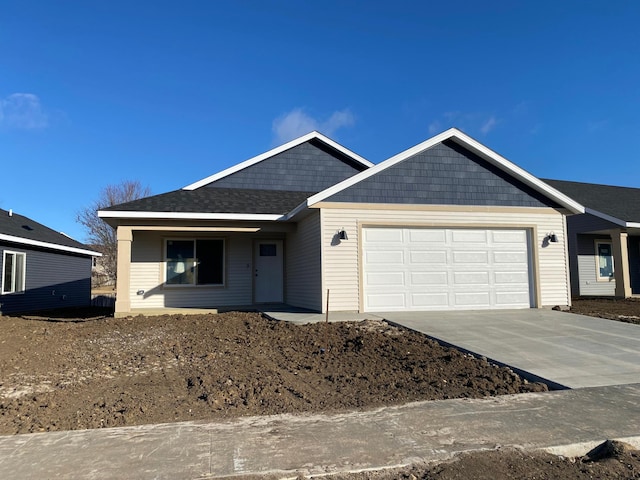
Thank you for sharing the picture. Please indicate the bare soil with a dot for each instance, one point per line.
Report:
(65, 374)
(618, 461)
(622, 310)
(71, 371)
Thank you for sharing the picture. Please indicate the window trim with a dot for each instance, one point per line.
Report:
(194, 284)
(599, 277)
(23, 287)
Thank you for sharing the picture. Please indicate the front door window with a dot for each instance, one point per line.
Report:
(605, 260)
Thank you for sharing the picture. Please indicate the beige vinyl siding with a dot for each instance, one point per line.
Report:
(303, 264)
(341, 271)
(147, 273)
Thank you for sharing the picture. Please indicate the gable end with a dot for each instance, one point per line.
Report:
(309, 167)
(445, 174)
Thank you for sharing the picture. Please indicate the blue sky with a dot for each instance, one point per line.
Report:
(168, 92)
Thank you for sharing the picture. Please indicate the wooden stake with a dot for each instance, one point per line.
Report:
(326, 328)
(326, 319)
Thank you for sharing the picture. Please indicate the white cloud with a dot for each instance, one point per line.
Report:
(297, 123)
(488, 125)
(434, 127)
(343, 118)
(22, 111)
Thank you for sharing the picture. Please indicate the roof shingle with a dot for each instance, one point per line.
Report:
(217, 200)
(16, 225)
(622, 203)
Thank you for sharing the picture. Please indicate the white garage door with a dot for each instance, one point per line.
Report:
(445, 269)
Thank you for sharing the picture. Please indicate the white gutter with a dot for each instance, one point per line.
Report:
(53, 246)
(267, 217)
(611, 219)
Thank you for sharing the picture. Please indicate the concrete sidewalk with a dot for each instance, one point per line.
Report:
(566, 349)
(572, 421)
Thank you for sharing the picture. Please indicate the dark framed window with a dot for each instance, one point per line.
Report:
(195, 261)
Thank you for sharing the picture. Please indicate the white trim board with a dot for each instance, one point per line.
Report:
(275, 151)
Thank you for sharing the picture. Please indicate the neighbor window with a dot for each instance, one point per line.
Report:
(13, 272)
(605, 260)
(195, 262)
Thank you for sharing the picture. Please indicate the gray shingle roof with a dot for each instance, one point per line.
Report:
(622, 203)
(217, 200)
(16, 225)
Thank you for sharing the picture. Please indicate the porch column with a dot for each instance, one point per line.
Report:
(621, 263)
(123, 302)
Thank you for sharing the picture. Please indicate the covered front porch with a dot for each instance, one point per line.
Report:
(608, 263)
(205, 268)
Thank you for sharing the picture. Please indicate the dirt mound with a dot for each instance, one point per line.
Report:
(71, 374)
(512, 464)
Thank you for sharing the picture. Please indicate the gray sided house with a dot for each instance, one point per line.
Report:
(447, 224)
(41, 268)
(604, 242)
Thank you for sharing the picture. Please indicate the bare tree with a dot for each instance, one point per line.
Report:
(101, 235)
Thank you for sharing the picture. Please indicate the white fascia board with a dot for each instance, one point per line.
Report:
(275, 151)
(609, 218)
(466, 141)
(52, 246)
(304, 205)
(190, 216)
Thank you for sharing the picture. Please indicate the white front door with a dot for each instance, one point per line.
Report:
(268, 271)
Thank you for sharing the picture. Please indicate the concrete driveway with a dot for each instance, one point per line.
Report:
(568, 350)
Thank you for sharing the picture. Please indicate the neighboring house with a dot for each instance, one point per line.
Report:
(41, 268)
(604, 242)
(447, 224)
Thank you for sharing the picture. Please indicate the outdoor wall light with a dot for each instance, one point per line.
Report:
(552, 237)
(342, 234)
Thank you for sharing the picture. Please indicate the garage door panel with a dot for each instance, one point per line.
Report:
(502, 256)
(387, 301)
(431, 258)
(385, 257)
(471, 278)
(383, 235)
(421, 300)
(445, 268)
(472, 299)
(470, 257)
(428, 278)
(510, 299)
(385, 278)
(427, 235)
(517, 237)
(469, 236)
(509, 278)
